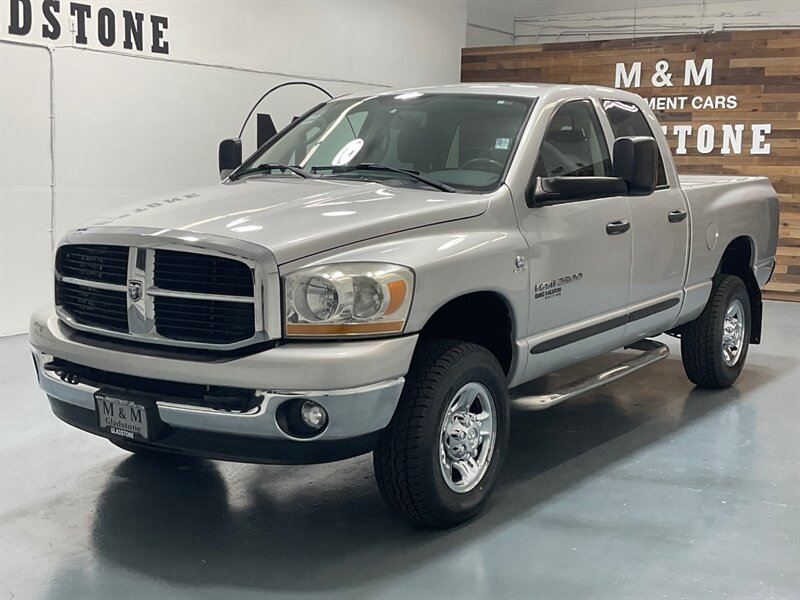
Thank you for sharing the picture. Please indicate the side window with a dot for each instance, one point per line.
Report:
(627, 120)
(574, 144)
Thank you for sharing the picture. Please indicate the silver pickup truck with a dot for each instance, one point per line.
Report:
(384, 274)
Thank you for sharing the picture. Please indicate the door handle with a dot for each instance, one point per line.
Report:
(617, 227)
(676, 216)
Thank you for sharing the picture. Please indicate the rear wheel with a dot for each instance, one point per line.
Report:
(714, 346)
(439, 458)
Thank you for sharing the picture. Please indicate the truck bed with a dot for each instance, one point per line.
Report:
(724, 208)
(690, 182)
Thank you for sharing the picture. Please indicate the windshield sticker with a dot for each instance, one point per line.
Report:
(348, 152)
(502, 143)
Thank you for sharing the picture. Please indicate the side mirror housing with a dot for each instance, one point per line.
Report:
(555, 190)
(636, 163)
(230, 156)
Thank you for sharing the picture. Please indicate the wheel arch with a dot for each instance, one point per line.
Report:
(738, 259)
(494, 330)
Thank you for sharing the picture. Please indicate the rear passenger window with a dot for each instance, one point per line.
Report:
(627, 120)
(574, 144)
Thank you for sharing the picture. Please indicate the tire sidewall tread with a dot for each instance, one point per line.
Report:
(406, 457)
(701, 339)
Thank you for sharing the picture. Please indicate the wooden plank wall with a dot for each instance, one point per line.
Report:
(760, 68)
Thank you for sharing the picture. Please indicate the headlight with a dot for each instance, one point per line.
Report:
(347, 299)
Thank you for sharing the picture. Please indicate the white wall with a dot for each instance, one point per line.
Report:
(544, 21)
(491, 22)
(25, 208)
(130, 124)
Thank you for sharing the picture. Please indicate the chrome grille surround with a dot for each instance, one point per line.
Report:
(142, 244)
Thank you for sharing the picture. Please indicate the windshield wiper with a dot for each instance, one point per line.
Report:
(271, 167)
(379, 167)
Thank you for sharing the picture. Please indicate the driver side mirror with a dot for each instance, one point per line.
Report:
(230, 156)
(636, 163)
(556, 190)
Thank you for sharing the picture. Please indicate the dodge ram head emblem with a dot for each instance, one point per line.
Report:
(135, 290)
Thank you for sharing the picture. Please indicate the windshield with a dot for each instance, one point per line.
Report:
(457, 140)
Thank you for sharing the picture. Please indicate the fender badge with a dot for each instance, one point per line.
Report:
(519, 264)
(552, 288)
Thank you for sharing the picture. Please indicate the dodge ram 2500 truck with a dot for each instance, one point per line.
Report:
(384, 273)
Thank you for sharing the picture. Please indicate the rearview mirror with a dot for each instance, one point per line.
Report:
(553, 190)
(230, 156)
(636, 163)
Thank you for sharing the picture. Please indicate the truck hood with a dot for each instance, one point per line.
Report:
(295, 218)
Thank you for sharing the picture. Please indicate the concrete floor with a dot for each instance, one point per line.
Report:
(644, 489)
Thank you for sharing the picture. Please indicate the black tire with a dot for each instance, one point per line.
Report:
(406, 459)
(701, 339)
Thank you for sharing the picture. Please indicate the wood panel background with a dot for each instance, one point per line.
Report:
(761, 68)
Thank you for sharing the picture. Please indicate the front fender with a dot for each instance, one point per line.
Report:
(451, 260)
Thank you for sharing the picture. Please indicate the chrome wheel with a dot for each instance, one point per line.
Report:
(733, 330)
(467, 437)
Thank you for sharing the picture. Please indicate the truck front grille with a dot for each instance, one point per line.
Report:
(93, 262)
(93, 306)
(201, 273)
(203, 320)
(159, 295)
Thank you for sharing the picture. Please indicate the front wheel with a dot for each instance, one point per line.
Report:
(714, 346)
(439, 458)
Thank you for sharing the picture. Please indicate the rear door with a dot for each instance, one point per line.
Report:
(659, 232)
(579, 265)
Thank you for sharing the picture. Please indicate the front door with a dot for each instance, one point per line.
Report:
(580, 250)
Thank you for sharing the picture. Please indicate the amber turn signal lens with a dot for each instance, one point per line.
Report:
(397, 293)
(344, 328)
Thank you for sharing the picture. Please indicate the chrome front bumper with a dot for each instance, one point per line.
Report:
(357, 382)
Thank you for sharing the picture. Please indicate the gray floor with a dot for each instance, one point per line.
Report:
(645, 489)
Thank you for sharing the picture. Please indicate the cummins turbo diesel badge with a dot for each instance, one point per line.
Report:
(552, 288)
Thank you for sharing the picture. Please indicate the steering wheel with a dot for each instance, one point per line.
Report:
(495, 166)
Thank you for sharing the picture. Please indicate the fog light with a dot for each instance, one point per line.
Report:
(313, 415)
(301, 418)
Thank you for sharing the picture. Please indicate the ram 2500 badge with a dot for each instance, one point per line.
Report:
(384, 274)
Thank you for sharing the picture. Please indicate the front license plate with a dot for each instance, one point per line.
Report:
(123, 418)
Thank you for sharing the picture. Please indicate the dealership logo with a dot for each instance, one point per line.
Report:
(135, 290)
(662, 76)
(111, 28)
(728, 138)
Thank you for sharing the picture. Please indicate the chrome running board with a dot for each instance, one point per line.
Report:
(652, 352)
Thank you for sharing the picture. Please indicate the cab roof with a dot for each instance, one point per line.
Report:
(525, 90)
